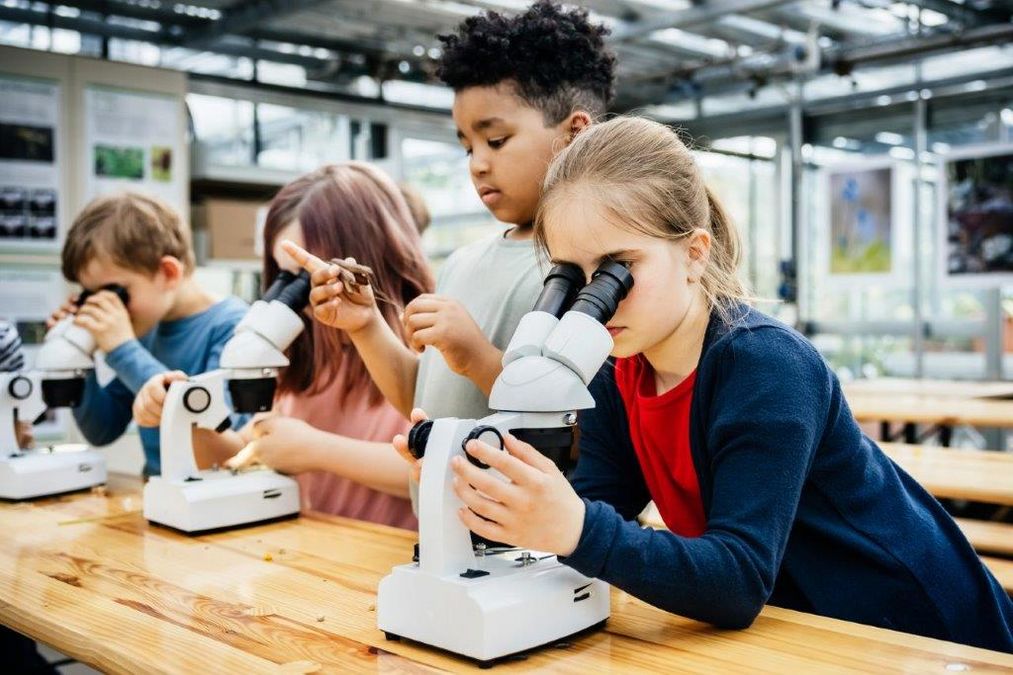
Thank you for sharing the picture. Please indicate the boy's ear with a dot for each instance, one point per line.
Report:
(577, 121)
(172, 269)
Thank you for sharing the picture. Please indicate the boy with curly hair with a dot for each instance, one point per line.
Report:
(524, 86)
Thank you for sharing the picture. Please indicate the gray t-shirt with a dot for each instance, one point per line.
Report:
(497, 280)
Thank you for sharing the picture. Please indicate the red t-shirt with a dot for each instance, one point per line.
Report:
(659, 427)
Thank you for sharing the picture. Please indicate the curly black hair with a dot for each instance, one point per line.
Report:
(555, 57)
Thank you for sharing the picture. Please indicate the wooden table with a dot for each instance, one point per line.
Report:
(888, 386)
(87, 575)
(977, 475)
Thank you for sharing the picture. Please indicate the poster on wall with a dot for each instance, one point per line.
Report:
(134, 142)
(29, 173)
(862, 220)
(976, 212)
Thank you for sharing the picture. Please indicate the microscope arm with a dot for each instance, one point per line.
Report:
(200, 402)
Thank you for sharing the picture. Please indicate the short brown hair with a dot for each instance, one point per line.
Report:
(132, 229)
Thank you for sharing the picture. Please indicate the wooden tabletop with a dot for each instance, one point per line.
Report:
(978, 475)
(887, 386)
(87, 575)
(923, 409)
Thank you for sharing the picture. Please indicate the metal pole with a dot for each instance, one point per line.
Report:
(795, 141)
(920, 143)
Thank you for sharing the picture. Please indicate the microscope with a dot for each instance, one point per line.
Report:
(57, 381)
(487, 601)
(191, 500)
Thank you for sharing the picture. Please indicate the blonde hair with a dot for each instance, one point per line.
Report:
(134, 230)
(646, 179)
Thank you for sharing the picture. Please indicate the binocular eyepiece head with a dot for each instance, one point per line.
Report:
(292, 290)
(120, 292)
(563, 290)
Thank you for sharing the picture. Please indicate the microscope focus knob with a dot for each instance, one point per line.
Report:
(491, 435)
(197, 400)
(20, 388)
(418, 437)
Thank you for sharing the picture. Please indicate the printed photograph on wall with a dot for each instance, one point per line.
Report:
(861, 203)
(977, 215)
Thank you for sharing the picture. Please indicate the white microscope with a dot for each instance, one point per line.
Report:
(191, 500)
(482, 600)
(57, 381)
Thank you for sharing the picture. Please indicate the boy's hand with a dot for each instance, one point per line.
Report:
(68, 307)
(150, 399)
(283, 443)
(106, 318)
(445, 324)
(332, 304)
(401, 445)
(536, 509)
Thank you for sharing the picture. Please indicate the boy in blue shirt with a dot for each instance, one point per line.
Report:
(170, 323)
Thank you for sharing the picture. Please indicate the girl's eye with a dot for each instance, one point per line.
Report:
(467, 151)
(497, 143)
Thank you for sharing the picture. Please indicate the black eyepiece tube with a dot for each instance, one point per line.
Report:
(121, 292)
(560, 289)
(283, 279)
(297, 294)
(609, 285)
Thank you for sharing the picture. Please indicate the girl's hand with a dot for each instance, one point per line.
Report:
(150, 399)
(537, 510)
(333, 305)
(401, 445)
(285, 444)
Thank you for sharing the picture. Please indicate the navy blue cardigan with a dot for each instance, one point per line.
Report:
(803, 511)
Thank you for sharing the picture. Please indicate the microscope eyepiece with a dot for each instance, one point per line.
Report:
(296, 295)
(283, 279)
(609, 285)
(559, 289)
(120, 291)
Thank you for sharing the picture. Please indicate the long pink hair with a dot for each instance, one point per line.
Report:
(350, 209)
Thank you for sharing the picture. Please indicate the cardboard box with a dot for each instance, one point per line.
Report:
(232, 227)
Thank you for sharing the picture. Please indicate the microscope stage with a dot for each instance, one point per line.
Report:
(50, 471)
(217, 499)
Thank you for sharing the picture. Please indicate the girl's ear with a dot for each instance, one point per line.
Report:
(573, 124)
(698, 253)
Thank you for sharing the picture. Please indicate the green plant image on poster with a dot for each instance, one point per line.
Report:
(119, 162)
(861, 206)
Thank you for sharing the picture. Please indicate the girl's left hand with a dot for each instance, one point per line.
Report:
(285, 444)
(537, 510)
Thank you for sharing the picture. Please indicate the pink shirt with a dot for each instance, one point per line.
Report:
(355, 418)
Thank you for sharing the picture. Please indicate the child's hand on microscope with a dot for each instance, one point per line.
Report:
(347, 306)
(536, 509)
(150, 399)
(401, 445)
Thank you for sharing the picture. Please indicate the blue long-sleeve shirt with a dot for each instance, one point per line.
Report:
(803, 511)
(192, 344)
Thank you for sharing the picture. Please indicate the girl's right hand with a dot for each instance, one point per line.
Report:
(332, 304)
(401, 445)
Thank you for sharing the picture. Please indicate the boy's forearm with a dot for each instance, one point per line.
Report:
(373, 464)
(390, 363)
(487, 366)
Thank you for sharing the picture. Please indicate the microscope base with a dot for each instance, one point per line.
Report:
(511, 609)
(50, 471)
(217, 499)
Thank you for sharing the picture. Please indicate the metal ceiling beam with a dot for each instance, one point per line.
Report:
(245, 17)
(701, 14)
